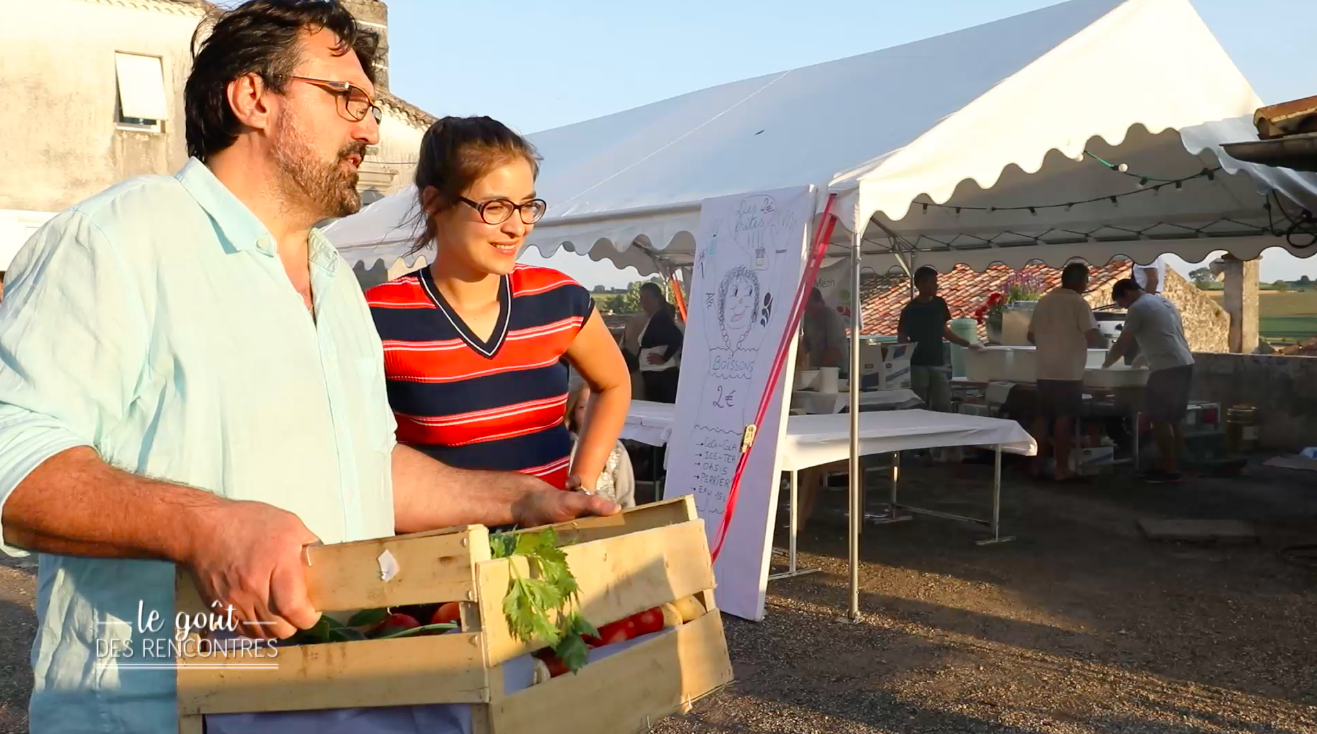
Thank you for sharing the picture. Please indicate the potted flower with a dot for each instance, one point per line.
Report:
(989, 315)
(1022, 288)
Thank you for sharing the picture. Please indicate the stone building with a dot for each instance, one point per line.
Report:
(94, 95)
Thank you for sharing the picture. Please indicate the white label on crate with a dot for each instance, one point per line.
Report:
(388, 566)
(1250, 433)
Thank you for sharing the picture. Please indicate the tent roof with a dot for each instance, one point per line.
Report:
(972, 116)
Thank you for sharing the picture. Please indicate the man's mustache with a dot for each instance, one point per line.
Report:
(358, 149)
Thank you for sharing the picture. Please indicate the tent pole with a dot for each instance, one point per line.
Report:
(856, 477)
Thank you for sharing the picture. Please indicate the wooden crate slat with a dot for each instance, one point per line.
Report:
(645, 517)
(618, 577)
(398, 672)
(626, 692)
(432, 567)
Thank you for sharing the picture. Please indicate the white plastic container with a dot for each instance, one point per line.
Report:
(1023, 363)
(989, 364)
(1116, 376)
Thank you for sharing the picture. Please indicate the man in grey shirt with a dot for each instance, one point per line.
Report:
(1154, 323)
(825, 334)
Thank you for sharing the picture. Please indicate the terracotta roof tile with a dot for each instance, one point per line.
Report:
(965, 290)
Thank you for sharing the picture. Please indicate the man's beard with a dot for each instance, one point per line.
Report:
(328, 189)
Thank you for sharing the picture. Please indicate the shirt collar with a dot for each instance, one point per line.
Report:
(238, 227)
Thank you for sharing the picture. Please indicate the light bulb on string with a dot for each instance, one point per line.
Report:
(1123, 168)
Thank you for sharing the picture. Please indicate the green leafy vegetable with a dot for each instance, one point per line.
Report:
(327, 629)
(543, 607)
(368, 617)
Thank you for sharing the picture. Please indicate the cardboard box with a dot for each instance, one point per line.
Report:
(625, 564)
(1093, 461)
(896, 366)
(978, 409)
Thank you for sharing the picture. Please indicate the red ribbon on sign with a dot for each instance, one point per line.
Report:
(817, 250)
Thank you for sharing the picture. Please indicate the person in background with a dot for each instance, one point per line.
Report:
(630, 343)
(617, 482)
(924, 321)
(660, 346)
(1155, 325)
(825, 334)
(1063, 328)
(1150, 278)
(477, 348)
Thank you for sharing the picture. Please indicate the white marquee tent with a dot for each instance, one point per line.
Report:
(1001, 143)
(993, 116)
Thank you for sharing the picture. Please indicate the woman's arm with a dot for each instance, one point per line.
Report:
(595, 355)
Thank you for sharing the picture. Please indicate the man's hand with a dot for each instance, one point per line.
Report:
(654, 358)
(551, 506)
(250, 558)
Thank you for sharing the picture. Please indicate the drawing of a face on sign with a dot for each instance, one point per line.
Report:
(738, 306)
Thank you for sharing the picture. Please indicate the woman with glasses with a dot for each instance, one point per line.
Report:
(476, 347)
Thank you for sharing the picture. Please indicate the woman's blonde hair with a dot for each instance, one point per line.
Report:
(576, 387)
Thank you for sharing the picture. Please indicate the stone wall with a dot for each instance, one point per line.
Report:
(1283, 390)
(1206, 324)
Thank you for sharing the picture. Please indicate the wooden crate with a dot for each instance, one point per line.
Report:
(624, 564)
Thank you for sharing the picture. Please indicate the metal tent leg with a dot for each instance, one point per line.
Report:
(856, 476)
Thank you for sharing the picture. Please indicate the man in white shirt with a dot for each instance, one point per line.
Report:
(1151, 277)
(1062, 328)
(1155, 325)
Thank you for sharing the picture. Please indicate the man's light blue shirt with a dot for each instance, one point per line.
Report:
(155, 323)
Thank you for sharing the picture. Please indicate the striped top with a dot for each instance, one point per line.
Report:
(476, 404)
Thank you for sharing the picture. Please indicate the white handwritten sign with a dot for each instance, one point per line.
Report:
(749, 260)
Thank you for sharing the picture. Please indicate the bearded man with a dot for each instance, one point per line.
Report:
(189, 377)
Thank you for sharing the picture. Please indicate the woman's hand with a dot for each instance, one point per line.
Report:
(654, 358)
(552, 506)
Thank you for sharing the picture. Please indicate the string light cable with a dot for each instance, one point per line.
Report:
(1300, 232)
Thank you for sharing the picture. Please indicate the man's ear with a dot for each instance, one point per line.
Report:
(248, 97)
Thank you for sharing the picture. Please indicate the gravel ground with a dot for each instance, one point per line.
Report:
(1079, 625)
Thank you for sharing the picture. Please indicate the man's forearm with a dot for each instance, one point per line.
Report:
(428, 494)
(75, 504)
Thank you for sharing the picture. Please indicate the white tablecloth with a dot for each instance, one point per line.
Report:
(812, 440)
(649, 422)
(834, 402)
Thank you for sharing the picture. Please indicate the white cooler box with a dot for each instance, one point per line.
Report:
(1118, 375)
(1023, 363)
(989, 364)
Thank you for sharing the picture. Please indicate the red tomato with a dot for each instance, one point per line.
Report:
(649, 621)
(394, 623)
(450, 613)
(619, 631)
(555, 665)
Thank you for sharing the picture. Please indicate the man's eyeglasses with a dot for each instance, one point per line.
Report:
(355, 103)
(498, 211)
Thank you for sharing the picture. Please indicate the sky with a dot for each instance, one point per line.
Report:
(537, 66)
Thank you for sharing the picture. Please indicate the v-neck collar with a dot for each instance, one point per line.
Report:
(486, 349)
